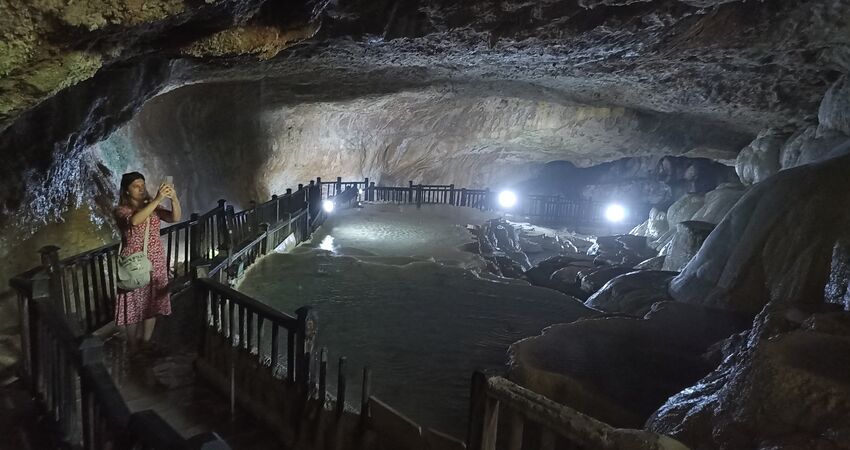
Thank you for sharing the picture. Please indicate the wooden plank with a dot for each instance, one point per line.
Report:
(87, 300)
(394, 431)
(435, 440)
(323, 376)
(105, 297)
(340, 387)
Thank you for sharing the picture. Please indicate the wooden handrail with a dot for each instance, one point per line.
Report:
(285, 320)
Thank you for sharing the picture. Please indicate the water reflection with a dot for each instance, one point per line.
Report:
(327, 243)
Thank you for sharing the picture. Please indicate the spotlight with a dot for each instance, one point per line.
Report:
(507, 199)
(328, 206)
(615, 213)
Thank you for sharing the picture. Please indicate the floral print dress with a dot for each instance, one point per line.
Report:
(152, 300)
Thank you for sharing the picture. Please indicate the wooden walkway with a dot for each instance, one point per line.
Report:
(164, 380)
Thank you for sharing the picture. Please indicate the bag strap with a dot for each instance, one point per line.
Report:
(147, 235)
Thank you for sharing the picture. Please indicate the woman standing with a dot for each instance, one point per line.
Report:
(137, 309)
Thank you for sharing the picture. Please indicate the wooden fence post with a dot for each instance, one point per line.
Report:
(452, 194)
(340, 388)
(366, 189)
(42, 293)
(305, 337)
(371, 192)
(253, 220)
(463, 197)
(227, 237)
(287, 207)
(419, 196)
(50, 262)
(312, 213)
(224, 243)
(338, 185)
(410, 192)
(483, 416)
(196, 238)
(365, 393)
(323, 376)
(266, 245)
(276, 209)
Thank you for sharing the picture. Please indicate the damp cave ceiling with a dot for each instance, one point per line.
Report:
(680, 77)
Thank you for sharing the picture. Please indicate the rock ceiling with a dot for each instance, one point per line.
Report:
(691, 77)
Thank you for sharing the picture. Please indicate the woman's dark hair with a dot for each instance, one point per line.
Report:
(126, 180)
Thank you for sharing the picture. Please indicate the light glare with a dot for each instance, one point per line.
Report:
(328, 206)
(615, 213)
(507, 199)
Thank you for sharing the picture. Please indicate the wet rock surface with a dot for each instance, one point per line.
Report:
(782, 388)
(686, 243)
(837, 288)
(620, 369)
(775, 245)
(633, 293)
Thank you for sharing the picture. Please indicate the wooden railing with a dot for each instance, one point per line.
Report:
(239, 331)
(333, 188)
(507, 416)
(68, 377)
(541, 208)
(208, 237)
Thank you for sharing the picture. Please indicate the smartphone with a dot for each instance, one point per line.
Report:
(169, 180)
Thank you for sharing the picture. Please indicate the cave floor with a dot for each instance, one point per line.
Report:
(164, 380)
(22, 424)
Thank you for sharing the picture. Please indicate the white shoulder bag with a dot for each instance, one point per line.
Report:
(134, 270)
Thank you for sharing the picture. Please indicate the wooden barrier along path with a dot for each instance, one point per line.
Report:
(262, 361)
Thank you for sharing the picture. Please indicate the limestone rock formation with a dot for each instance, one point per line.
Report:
(760, 159)
(633, 293)
(655, 226)
(776, 244)
(591, 280)
(809, 144)
(719, 202)
(686, 243)
(654, 263)
(834, 111)
(596, 365)
(837, 289)
(783, 387)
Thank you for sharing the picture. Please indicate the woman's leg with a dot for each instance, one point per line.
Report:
(133, 331)
(149, 325)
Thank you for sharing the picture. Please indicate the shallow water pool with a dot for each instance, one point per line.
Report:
(394, 290)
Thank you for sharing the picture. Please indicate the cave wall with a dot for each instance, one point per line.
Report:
(245, 141)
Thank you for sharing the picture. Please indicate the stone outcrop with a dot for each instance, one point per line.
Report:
(776, 243)
(834, 111)
(623, 249)
(686, 243)
(782, 386)
(591, 280)
(718, 202)
(633, 293)
(760, 159)
(619, 369)
(808, 145)
(837, 289)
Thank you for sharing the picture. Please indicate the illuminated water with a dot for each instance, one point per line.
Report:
(394, 291)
